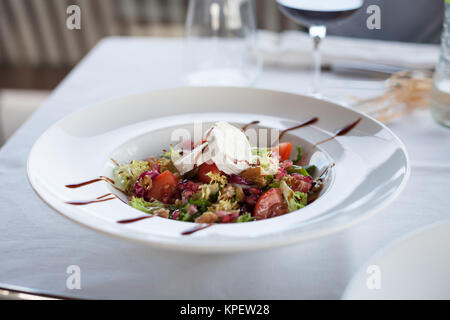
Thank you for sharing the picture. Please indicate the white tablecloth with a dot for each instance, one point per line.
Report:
(37, 244)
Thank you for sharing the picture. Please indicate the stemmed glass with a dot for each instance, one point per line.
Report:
(220, 43)
(315, 15)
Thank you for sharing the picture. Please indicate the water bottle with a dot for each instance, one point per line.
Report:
(440, 93)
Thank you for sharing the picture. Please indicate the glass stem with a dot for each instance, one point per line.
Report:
(317, 33)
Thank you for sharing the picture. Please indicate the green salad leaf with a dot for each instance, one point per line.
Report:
(297, 169)
(172, 154)
(201, 204)
(263, 155)
(246, 217)
(311, 169)
(145, 206)
(295, 200)
(126, 175)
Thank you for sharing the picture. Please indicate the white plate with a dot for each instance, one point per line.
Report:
(414, 267)
(371, 164)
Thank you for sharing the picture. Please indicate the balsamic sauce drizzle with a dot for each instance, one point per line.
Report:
(114, 161)
(244, 128)
(340, 132)
(105, 195)
(304, 123)
(111, 196)
(85, 183)
(96, 200)
(197, 157)
(134, 219)
(196, 228)
(101, 178)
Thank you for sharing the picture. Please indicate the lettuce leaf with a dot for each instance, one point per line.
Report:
(173, 154)
(268, 163)
(145, 206)
(295, 200)
(126, 175)
(311, 169)
(246, 217)
(263, 155)
(297, 169)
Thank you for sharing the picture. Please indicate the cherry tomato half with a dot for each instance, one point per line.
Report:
(164, 187)
(284, 150)
(270, 204)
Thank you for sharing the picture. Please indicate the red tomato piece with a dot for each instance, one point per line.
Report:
(270, 204)
(164, 187)
(284, 150)
(206, 168)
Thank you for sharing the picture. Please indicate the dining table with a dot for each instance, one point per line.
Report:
(39, 247)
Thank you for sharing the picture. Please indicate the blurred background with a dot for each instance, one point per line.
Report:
(37, 50)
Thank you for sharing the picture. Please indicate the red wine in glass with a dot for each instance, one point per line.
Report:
(316, 14)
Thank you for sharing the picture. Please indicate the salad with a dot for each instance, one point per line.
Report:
(219, 179)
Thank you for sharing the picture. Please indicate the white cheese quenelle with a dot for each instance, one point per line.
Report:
(225, 145)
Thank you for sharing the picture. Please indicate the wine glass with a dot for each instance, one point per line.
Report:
(315, 15)
(220, 43)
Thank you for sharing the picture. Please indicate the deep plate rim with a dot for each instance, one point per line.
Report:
(320, 231)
